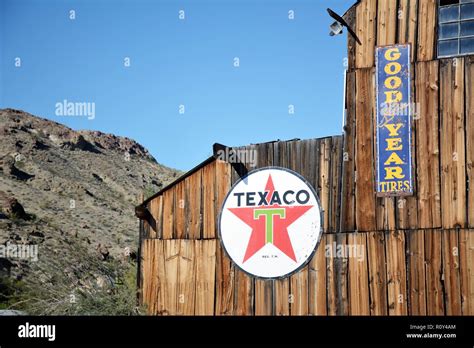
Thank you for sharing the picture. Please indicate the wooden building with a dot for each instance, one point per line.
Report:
(419, 250)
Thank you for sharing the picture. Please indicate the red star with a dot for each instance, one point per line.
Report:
(281, 239)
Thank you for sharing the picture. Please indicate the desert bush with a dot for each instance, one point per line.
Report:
(120, 299)
(149, 191)
(88, 287)
(10, 291)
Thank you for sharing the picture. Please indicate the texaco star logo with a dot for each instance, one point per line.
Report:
(270, 222)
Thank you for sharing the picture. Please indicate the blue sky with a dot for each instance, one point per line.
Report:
(177, 62)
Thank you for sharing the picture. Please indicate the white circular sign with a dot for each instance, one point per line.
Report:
(270, 222)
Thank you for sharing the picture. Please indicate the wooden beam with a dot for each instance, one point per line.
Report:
(387, 16)
(417, 275)
(366, 13)
(335, 186)
(244, 294)
(168, 213)
(263, 297)
(358, 277)
(187, 274)
(396, 273)
(348, 204)
(224, 283)
(193, 185)
(433, 262)
(350, 18)
(452, 139)
(324, 179)
(470, 136)
(427, 22)
(427, 136)
(466, 268)
(451, 272)
(205, 251)
(156, 210)
(161, 278)
(209, 201)
(331, 276)
(377, 273)
(317, 280)
(470, 271)
(171, 251)
(180, 210)
(365, 173)
(282, 297)
(299, 292)
(407, 24)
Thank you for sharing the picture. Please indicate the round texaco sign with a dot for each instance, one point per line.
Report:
(270, 222)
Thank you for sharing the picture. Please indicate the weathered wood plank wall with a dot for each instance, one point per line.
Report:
(412, 255)
(386, 22)
(190, 209)
(443, 152)
(394, 272)
(442, 124)
(414, 272)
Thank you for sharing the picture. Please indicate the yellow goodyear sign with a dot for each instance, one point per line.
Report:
(393, 131)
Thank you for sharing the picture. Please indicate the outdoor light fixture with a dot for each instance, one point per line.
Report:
(336, 28)
(339, 24)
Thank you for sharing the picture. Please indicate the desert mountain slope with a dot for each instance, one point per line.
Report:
(77, 189)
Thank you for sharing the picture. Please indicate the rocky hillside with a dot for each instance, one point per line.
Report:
(72, 194)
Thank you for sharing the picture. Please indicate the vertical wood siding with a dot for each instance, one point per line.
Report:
(410, 256)
(416, 272)
(386, 22)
